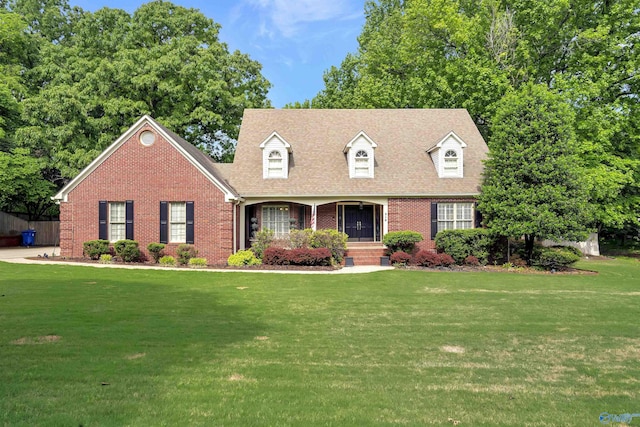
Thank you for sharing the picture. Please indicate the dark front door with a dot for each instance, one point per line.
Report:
(358, 223)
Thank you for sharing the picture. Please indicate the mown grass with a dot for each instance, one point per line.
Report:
(146, 347)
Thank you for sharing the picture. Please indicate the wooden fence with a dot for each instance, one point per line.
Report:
(47, 232)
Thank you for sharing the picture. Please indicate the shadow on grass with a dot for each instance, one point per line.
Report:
(125, 341)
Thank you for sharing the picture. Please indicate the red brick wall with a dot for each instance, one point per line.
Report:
(326, 216)
(148, 175)
(414, 215)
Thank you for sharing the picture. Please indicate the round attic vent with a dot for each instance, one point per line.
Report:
(147, 138)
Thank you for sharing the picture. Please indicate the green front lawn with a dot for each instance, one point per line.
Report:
(87, 346)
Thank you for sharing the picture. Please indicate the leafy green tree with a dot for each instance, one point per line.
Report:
(164, 60)
(533, 185)
(470, 53)
(23, 183)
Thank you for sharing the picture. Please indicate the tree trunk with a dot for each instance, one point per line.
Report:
(529, 240)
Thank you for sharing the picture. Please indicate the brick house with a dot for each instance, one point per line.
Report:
(363, 172)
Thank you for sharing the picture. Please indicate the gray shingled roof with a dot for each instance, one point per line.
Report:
(318, 165)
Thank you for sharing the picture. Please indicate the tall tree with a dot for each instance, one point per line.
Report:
(534, 182)
(112, 67)
(470, 53)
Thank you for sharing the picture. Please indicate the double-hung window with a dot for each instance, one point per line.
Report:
(453, 216)
(177, 222)
(275, 165)
(117, 221)
(276, 218)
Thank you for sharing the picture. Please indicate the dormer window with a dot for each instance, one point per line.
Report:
(448, 156)
(274, 169)
(362, 164)
(360, 156)
(451, 162)
(275, 157)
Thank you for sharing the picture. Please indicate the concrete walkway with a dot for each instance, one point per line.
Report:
(19, 255)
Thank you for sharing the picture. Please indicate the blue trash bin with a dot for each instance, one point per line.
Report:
(28, 237)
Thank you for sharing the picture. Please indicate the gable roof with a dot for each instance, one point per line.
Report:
(196, 157)
(318, 164)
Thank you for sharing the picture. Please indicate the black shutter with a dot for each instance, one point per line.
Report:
(434, 220)
(129, 220)
(103, 227)
(164, 223)
(190, 222)
(478, 216)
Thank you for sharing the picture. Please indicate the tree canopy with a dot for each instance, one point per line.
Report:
(471, 53)
(92, 75)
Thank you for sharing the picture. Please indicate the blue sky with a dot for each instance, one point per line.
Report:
(294, 40)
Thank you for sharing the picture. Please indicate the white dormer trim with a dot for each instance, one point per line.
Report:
(360, 156)
(443, 154)
(275, 157)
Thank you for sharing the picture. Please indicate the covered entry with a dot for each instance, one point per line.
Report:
(361, 222)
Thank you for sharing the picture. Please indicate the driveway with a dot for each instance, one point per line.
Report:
(23, 252)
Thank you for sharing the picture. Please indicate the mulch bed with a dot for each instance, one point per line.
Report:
(455, 268)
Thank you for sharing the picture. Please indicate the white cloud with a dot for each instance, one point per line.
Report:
(288, 17)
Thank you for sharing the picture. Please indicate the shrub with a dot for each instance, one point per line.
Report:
(462, 243)
(263, 240)
(445, 260)
(167, 261)
(517, 261)
(427, 258)
(275, 256)
(555, 258)
(333, 240)
(400, 258)
(300, 238)
(128, 250)
(299, 256)
(471, 260)
(197, 262)
(94, 248)
(404, 241)
(311, 257)
(244, 257)
(105, 259)
(185, 253)
(573, 249)
(156, 250)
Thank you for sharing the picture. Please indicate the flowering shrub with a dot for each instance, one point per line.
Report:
(400, 257)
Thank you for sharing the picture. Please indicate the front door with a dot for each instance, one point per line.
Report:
(358, 223)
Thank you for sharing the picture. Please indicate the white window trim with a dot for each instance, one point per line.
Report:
(112, 222)
(457, 206)
(360, 143)
(281, 222)
(275, 143)
(178, 223)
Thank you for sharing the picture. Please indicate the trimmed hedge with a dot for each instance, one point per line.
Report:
(462, 243)
(333, 240)
(167, 261)
(299, 256)
(400, 257)
(128, 250)
(555, 258)
(404, 241)
(427, 258)
(156, 250)
(94, 248)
